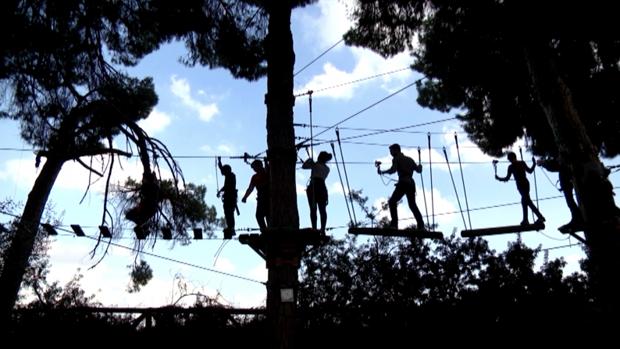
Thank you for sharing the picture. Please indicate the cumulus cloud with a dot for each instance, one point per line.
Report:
(326, 29)
(180, 87)
(74, 176)
(340, 84)
(156, 122)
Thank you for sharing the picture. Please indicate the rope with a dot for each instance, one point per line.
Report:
(422, 180)
(219, 250)
(370, 106)
(445, 153)
(341, 182)
(311, 128)
(430, 169)
(458, 152)
(317, 58)
(346, 176)
(355, 81)
(217, 182)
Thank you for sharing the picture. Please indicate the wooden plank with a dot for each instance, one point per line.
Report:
(423, 234)
(292, 237)
(49, 229)
(502, 230)
(77, 230)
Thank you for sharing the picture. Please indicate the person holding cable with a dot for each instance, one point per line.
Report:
(316, 190)
(519, 169)
(404, 167)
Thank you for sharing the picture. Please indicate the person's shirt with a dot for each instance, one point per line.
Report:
(230, 185)
(319, 169)
(260, 181)
(517, 169)
(404, 166)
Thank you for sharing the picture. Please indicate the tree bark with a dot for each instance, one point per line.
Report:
(16, 259)
(282, 155)
(281, 151)
(594, 191)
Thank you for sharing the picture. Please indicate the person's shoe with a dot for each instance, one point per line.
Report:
(541, 219)
(525, 222)
(393, 225)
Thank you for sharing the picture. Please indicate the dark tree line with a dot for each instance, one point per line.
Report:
(389, 290)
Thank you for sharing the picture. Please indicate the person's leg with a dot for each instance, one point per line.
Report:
(260, 220)
(529, 202)
(312, 204)
(524, 209)
(414, 208)
(323, 211)
(393, 204)
(229, 215)
(567, 189)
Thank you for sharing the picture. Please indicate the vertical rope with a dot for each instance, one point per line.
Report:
(341, 183)
(311, 125)
(346, 177)
(422, 181)
(311, 145)
(217, 182)
(445, 154)
(430, 168)
(458, 152)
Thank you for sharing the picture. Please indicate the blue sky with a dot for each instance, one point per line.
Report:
(203, 113)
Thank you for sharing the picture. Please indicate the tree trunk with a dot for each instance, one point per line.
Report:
(16, 259)
(280, 132)
(282, 155)
(594, 191)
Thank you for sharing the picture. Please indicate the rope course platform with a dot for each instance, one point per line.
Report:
(289, 241)
(412, 233)
(502, 230)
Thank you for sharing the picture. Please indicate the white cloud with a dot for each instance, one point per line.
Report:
(469, 151)
(74, 176)
(326, 29)
(259, 272)
(156, 122)
(220, 149)
(340, 84)
(224, 264)
(21, 172)
(226, 149)
(181, 88)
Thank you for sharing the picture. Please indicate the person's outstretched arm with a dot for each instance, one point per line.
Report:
(508, 174)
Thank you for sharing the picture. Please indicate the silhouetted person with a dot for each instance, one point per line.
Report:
(316, 190)
(229, 197)
(148, 202)
(566, 186)
(404, 166)
(517, 169)
(260, 181)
